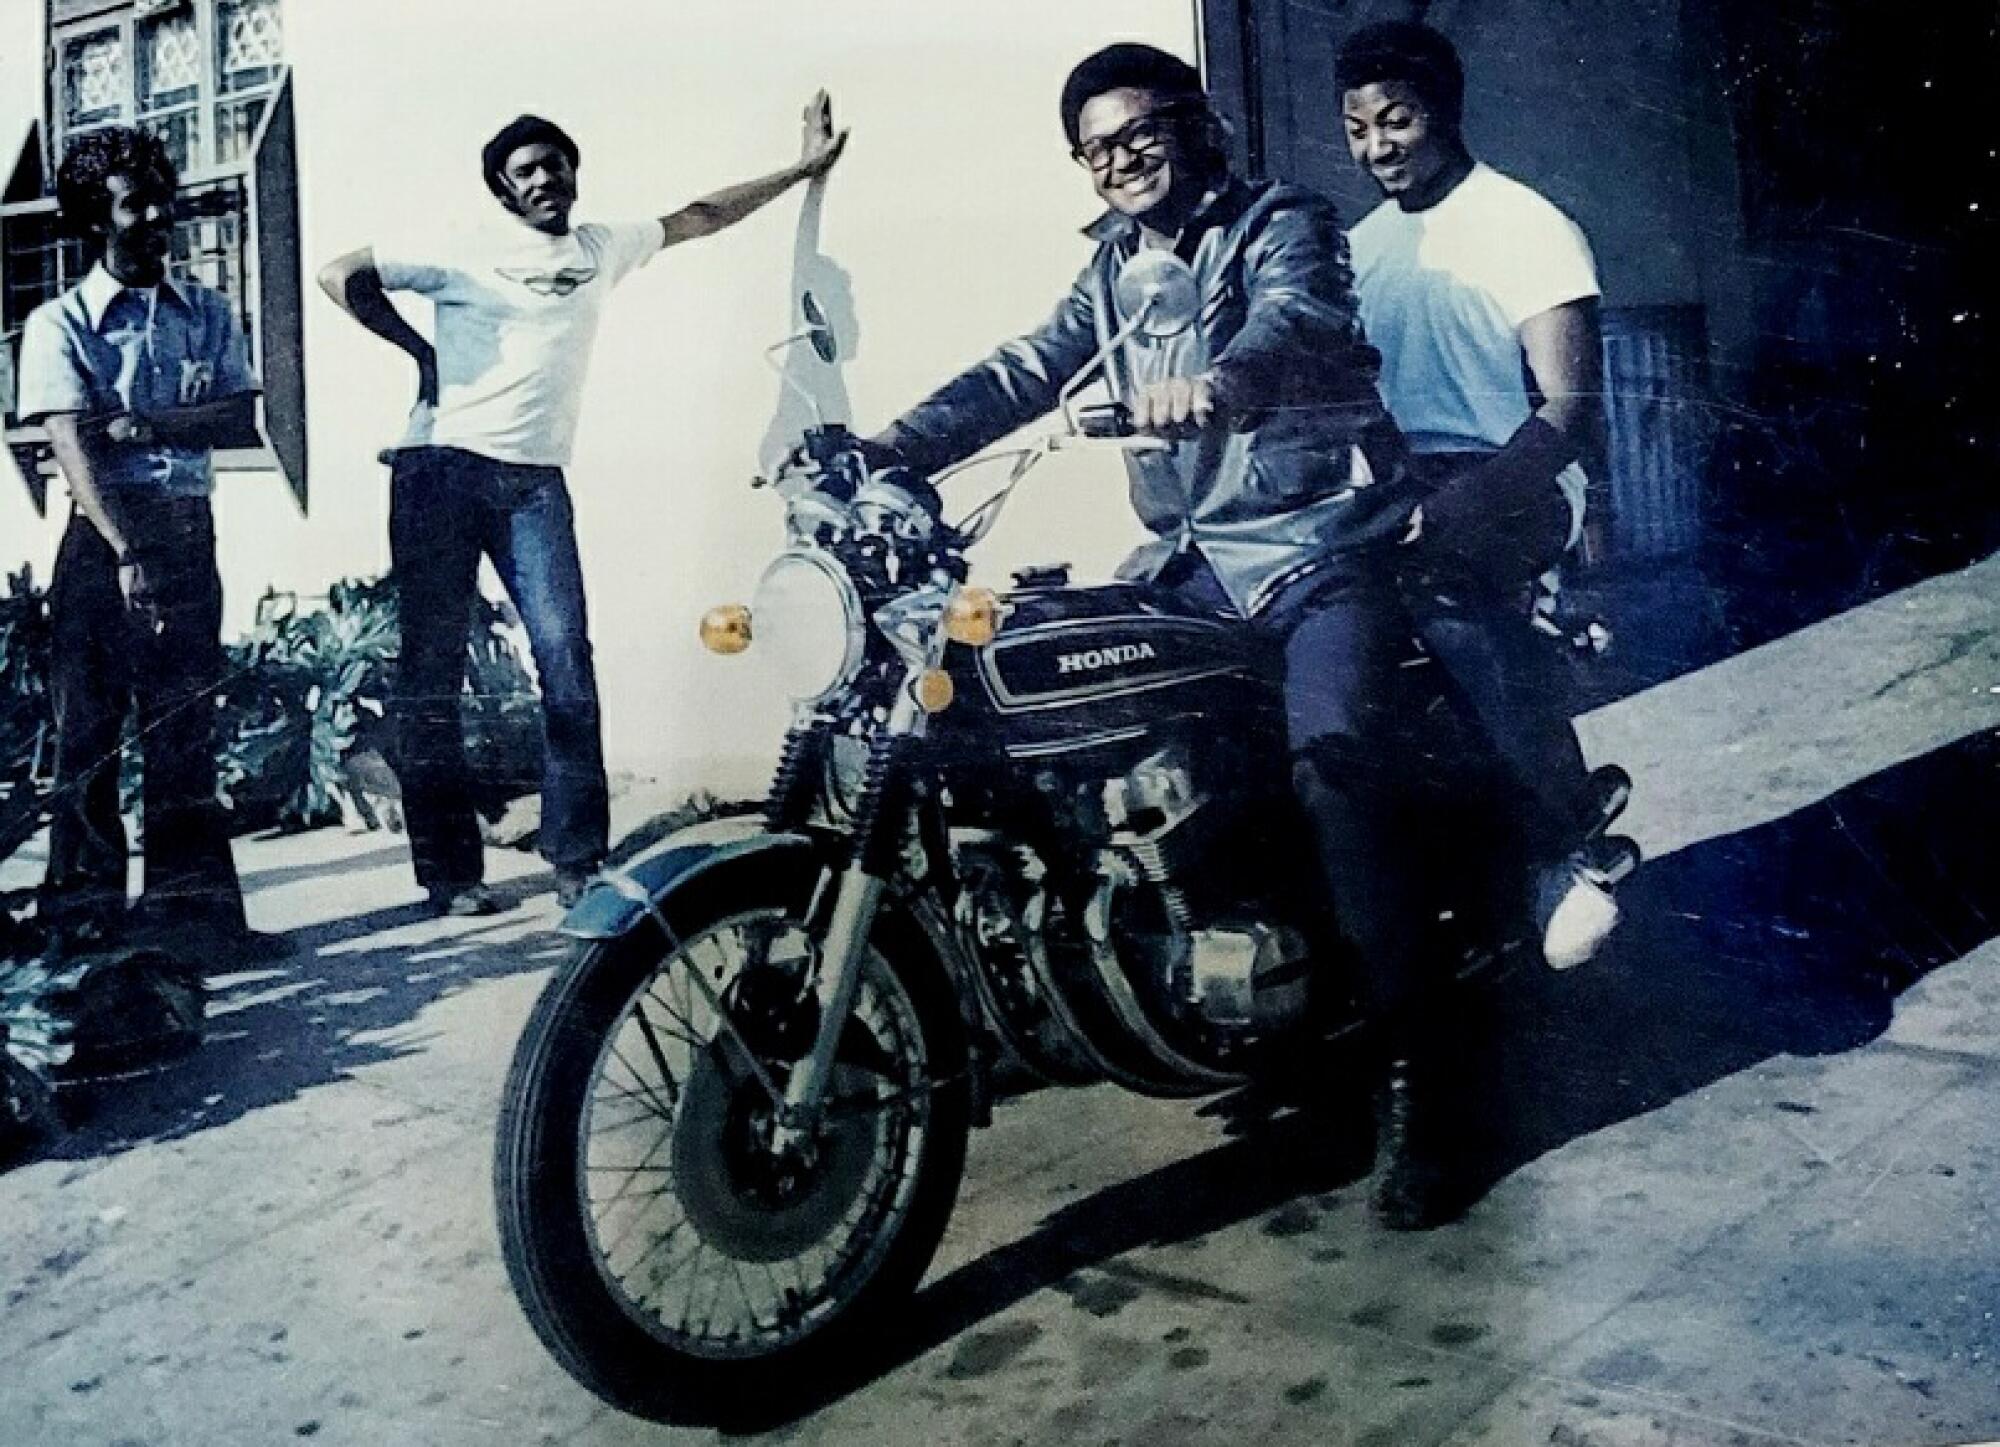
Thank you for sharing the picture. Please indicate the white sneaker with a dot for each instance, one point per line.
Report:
(1576, 913)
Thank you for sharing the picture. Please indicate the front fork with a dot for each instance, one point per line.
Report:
(843, 950)
(843, 954)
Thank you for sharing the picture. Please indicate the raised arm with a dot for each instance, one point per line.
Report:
(356, 288)
(722, 209)
(1301, 338)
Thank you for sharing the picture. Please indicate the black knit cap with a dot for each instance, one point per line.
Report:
(519, 132)
(1416, 55)
(1129, 66)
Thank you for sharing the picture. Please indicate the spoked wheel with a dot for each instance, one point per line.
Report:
(673, 1251)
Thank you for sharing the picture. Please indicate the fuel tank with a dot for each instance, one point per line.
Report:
(1096, 674)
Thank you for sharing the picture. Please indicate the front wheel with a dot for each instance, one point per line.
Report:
(674, 1260)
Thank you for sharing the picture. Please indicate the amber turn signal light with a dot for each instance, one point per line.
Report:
(932, 690)
(726, 629)
(972, 617)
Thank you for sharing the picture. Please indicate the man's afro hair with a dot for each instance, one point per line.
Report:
(92, 159)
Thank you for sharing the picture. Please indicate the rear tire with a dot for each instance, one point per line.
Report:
(559, 1254)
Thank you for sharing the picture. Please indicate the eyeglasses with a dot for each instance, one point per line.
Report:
(1140, 137)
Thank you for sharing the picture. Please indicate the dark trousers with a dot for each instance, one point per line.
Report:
(1464, 588)
(1341, 635)
(447, 509)
(105, 660)
(1516, 690)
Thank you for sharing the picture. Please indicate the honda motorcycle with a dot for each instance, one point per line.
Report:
(1049, 830)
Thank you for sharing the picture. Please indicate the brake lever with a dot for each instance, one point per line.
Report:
(1080, 443)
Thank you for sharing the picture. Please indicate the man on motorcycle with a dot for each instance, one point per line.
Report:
(1282, 499)
(1473, 286)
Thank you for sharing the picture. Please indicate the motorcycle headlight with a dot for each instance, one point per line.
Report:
(809, 623)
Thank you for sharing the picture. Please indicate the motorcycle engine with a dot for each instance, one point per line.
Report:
(1126, 919)
(1233, 974)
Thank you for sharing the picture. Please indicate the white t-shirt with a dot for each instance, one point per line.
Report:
(1443, 293)
(517, 312)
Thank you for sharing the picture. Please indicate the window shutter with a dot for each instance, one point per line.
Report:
(279, 310)
(24, 191)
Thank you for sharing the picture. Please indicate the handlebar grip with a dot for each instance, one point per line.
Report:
(1105, 419)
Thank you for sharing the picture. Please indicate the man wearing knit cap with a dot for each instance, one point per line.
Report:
(499, 388)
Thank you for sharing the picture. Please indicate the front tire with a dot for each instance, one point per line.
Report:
(670, 1265)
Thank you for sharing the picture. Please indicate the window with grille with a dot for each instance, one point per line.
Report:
(249, 49)
(169, 82)
(95, 85)
(204, 75)
(200, 73)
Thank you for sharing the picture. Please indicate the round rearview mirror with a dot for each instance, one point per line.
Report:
(819, 331)
(1157, 293)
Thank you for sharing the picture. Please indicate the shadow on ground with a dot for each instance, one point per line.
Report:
(328, 1010)
(277, 1031)
(1794, 937)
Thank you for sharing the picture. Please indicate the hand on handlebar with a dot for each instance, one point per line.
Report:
(1175, 407)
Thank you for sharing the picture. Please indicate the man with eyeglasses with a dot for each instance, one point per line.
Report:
(1282, 500)
(481, 472)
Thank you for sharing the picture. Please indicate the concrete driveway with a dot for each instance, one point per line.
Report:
(1738, 1178)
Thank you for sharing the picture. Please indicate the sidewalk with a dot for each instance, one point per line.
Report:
(1737, 1200)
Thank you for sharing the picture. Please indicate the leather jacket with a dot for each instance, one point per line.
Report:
(1307, 467)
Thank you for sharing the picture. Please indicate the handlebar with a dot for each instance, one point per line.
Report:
(1105, 424)
(1102, 426)
(1105, 419)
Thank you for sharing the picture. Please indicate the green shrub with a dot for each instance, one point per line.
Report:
(304, 694)
(27, 725)
(306, 691)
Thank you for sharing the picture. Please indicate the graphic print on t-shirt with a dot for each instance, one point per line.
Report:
(516, 313)
(549, 283)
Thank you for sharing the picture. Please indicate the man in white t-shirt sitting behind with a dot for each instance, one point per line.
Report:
(481, 473)
(1482, 297)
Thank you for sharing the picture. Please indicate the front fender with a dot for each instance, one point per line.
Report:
(620, 898)
(915, 926)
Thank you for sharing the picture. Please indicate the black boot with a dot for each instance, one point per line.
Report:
(1411, 1191)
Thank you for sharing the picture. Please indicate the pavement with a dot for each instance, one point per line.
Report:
(1737, 1180)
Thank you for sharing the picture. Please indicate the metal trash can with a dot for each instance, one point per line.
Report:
(1659, 426)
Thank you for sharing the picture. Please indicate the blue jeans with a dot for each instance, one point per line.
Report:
(1463, 588)
(447, 508)
(1340, 634)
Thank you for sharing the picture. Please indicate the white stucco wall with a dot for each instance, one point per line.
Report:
(955, 212)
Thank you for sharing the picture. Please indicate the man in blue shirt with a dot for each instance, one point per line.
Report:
(137, 377)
